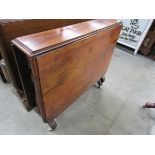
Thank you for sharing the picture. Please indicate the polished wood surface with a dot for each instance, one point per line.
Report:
(54, 37)
(67, 72)
(13, 28)
(64, 66)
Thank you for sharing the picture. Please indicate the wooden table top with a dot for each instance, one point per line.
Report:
(54, 38)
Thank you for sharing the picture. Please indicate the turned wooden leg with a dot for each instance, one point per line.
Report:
(52, 124)
(100, 82)
(149, 105)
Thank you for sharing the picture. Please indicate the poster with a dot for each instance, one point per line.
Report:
(132, 31)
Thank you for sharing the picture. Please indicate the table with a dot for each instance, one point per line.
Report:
(58, 65)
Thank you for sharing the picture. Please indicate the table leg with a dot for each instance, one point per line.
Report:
(52, 124)
(100, 82)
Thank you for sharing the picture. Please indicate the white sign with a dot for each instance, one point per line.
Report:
(133, 32)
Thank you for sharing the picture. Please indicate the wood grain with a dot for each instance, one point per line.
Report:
(67, 61)
(67, 72)
(39, 41)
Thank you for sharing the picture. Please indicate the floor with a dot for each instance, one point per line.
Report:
(116, 109)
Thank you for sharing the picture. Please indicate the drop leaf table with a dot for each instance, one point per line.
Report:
(58, 65)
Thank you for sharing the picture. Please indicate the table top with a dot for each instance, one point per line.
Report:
(55, 38)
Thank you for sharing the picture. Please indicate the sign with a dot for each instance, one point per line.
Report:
(133, 32)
